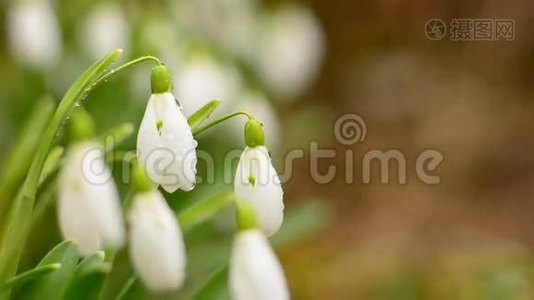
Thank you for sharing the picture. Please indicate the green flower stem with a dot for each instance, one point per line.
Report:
(123, 67)
(126, 288)
(203, 210)
(199, 129)
(21, 213)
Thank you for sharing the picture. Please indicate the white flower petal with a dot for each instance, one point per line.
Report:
(88, 207)
(177, 136)
(255, 272)
(102, 197)
(168, 153)
(148, 136)
(257, 182)
(74, 221)
(156, 243)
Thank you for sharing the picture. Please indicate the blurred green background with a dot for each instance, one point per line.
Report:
(298, 67)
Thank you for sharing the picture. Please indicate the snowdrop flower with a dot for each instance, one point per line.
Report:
(290, 51)
(88, 202)
(33, 33)
(257, 182)
(156, 244)
(255, 272)
(165, 143)
(104, 29)
(203, 79)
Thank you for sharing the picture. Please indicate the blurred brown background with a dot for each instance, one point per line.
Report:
(469, 237)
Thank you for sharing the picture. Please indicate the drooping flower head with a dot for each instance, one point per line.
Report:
(165, 144)
(88, 201)
(257, 182)
(156, 244)
(255, 272)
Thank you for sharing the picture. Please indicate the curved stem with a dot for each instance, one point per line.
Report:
(125, 66)
(199, 129)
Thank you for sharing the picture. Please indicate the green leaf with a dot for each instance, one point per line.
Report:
(21, 212)
(113, 137)
(55, 284)
(17, 163)
(203, 113)
(215, 287)
(90, 277)
(52, 163)
(126, 288)
(30, 275)
(204, 210)
(301, 222)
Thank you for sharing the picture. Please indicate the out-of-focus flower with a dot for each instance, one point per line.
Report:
(159, 35)
(165, 143)
(156, 244)
(257, 183)
(88, 202)
(202, 79)
(104, 29)
(291, 49)
(34, 36)
(255, 272)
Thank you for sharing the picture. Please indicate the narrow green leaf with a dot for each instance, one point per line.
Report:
(30, 275)
(203, 113)
(55, 284)
(21, 212)
(215, 288)
(91, 263)
(116, 135)
(52, 163)
(126, 288)
(90, 277)
(301, 222)
(204, 210)
(16, 163)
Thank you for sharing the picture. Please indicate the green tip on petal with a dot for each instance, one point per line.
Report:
(140, 180)
(160, 80)
(82, 126)
(254, 135)
(245, 216)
